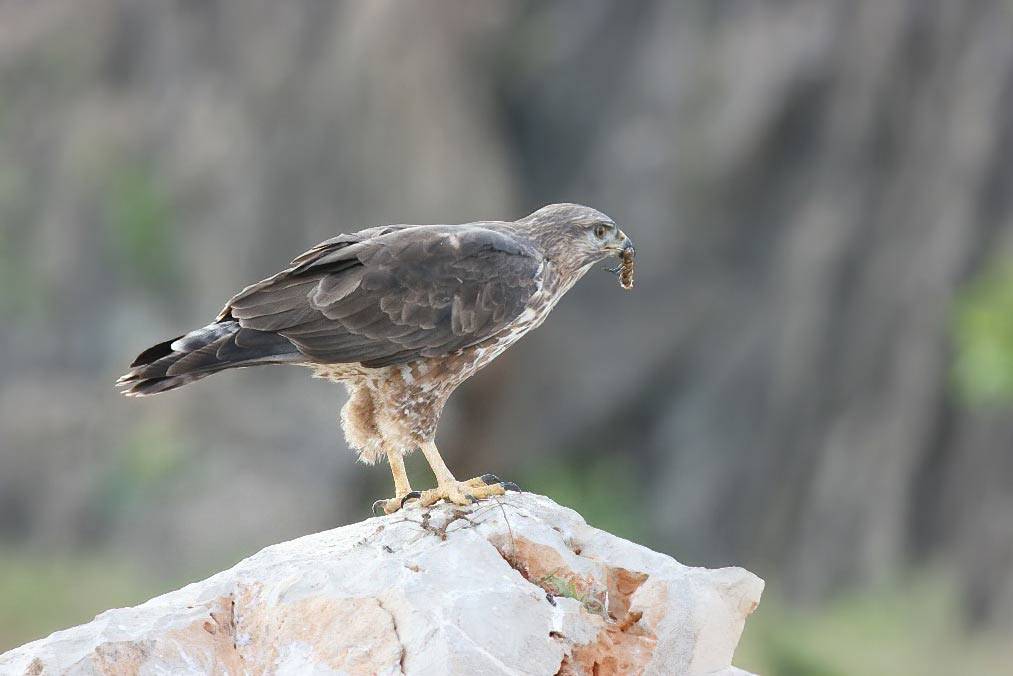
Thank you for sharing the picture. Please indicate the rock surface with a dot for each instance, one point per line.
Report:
(519, 585)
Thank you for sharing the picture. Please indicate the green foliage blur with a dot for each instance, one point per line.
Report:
(138, 216)
(150, 457)
(22, 292)
(911, 626)
(41, 593)
(983, 337)
(603, 489)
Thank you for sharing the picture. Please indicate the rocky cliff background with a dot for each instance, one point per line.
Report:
(813, 378)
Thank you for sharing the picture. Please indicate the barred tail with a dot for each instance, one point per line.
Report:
(216, 347)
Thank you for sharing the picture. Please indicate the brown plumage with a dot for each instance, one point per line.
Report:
(401, 315)
(626, 269)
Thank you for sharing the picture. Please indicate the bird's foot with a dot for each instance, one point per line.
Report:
(459, 493)
(394, 504)
(456, 492)
(493, 480)
(467, 492)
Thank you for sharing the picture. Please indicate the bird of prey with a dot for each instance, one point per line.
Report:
(402, 315)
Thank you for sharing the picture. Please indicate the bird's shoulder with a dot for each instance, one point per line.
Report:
(396, 244)
(428, 254)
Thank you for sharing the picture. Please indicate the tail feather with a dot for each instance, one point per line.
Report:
(155, 353)
(200, 353)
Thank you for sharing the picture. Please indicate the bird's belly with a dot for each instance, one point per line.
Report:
(339, 372)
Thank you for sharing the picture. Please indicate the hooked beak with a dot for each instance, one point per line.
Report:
(625, 245)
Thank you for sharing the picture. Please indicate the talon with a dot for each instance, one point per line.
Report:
(493, 480)
(394, 504)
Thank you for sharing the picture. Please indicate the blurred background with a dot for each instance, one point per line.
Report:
(815, 373)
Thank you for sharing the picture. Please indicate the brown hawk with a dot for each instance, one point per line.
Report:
(402, 315)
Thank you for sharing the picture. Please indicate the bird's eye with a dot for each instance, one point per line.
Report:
(600, 230)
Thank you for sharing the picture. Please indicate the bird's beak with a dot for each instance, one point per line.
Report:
(626, 244)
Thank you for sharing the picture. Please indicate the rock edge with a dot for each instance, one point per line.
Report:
(517, 585)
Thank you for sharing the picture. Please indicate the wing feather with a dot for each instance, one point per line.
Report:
(394, 294)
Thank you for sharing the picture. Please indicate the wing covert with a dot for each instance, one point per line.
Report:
(404, 293)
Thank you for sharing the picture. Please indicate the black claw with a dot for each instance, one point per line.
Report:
(490, 479)
(510, 486)
(414, 495)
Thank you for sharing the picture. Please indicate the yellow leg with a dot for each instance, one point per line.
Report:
(450, 489)
(401, 485)
(435, 460)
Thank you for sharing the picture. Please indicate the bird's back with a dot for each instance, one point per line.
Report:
(376, 297)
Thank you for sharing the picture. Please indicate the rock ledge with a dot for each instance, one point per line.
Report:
(518, 585)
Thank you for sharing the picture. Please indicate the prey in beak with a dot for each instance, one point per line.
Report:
(624, 271)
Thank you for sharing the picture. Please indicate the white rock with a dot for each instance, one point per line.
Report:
(457, 591)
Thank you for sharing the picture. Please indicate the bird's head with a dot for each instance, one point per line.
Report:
(576, 236)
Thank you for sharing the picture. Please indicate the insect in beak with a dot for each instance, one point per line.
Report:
(625, 268)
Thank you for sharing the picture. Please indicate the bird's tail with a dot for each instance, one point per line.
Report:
(216, 347)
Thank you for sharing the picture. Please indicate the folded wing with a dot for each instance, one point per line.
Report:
(394, 294)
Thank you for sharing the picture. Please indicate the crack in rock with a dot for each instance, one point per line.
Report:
(620, 645)
(397, 634)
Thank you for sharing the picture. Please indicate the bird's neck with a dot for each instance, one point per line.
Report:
(562, 277)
